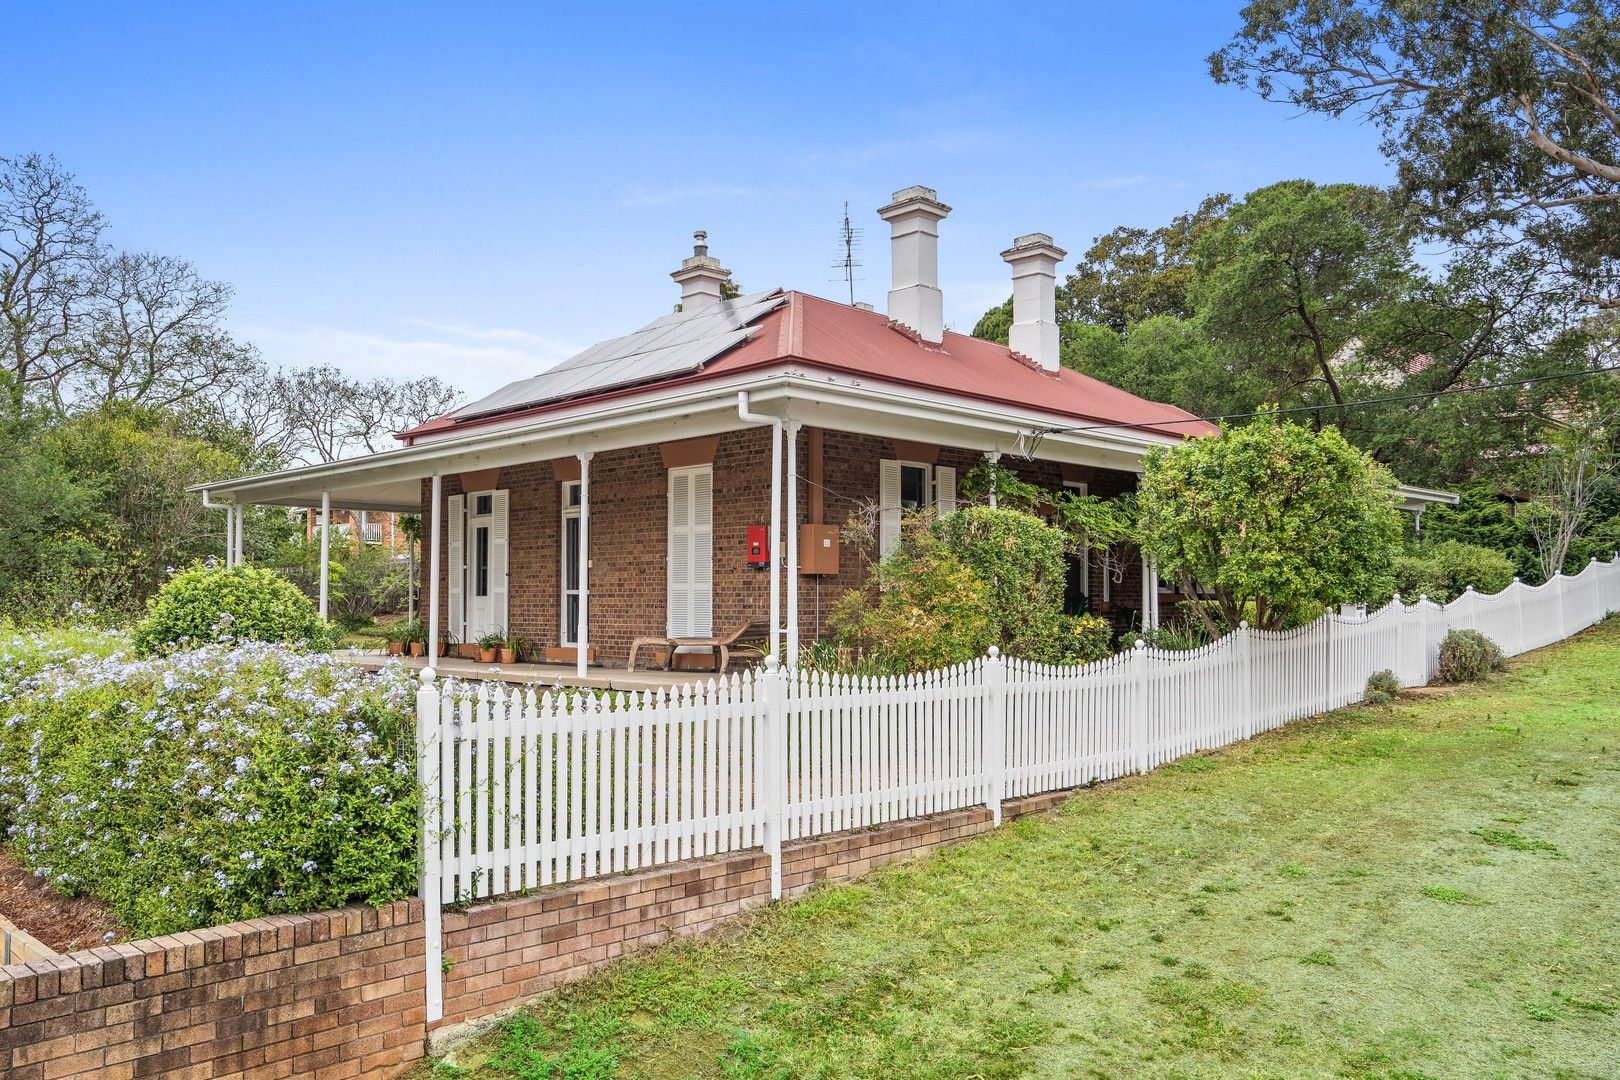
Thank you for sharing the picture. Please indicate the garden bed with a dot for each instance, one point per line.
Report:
(65, 923)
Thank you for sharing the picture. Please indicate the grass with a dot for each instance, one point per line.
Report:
(1421, 889)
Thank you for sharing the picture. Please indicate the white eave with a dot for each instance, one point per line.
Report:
(390, 481)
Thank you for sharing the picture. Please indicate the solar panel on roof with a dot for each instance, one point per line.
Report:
(674, 344)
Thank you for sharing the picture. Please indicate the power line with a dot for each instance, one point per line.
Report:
(1359, 403)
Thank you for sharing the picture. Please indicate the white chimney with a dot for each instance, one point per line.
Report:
(915, 299)
(701, 276)
(1034, 260)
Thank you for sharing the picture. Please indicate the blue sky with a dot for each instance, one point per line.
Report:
(477, 190)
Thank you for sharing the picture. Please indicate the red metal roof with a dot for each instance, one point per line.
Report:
(854, 342)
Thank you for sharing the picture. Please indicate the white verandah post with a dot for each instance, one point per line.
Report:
(428, 886)
(582, 644)
(431, 586)
(326, 549)
(793, 544)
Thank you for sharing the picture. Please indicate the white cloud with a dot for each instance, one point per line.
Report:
(473, 360)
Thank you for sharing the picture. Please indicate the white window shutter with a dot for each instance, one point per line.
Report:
(498, 558)
(456, 572)
(703, 552)
(690, 592)
(678, 594)
(888, 506)
(944, 490)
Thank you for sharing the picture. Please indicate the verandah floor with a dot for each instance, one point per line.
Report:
(595, 678)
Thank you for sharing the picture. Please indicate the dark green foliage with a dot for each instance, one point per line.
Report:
(1272, 521)
(1019, 559)
(1444, 571)
(1484, 517)
(245, 603)
(1467, 656)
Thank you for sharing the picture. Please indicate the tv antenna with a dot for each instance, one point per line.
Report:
(849, 243)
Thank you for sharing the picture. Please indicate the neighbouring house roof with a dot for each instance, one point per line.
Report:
(769, 329)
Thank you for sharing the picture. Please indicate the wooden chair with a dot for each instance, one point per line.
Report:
(720, 645)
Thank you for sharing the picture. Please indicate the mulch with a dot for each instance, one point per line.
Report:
(65, 923)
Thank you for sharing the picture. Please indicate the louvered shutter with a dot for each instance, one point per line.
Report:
(702, 552)
(498, 558)
(678, 597)
(456, 572)
(944, 490)
(888, 506)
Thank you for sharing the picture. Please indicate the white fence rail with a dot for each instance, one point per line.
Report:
(524, 789)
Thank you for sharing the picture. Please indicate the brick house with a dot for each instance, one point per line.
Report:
(699, 472)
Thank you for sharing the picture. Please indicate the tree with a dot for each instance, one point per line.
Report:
(1503, 118)
(1568, 472)
(1127, 275)
(50, 237)
(1292, 278)
(323, 414)
(1271, 522)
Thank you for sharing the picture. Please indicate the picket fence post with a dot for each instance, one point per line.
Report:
(428, 733)
(1139, 710)
(1558, 592)
(1245, 647)
(772, 779)
(994, 751)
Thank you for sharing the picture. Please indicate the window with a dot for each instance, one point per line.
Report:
(484, 505)
(913, 487)
(905, 487)
(481, 558)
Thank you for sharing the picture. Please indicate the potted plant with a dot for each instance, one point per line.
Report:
(395, 640)
(509, 649)
(489, 646)
(411, 638)
(447, 643)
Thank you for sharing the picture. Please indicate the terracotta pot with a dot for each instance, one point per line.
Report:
(509, 656)
(418, 648)
(487, 656)
(444, 648)
(395, 648)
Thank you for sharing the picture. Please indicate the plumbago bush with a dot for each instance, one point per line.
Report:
(202, 787)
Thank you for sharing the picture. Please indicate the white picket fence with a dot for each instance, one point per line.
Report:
(523, 789)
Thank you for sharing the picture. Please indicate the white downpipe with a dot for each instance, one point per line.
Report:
(749, 417)
(431, 587)
(793, 545)
(326, 548)
(583, 633)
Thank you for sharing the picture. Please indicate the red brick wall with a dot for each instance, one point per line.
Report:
(339, 994)
(629, 523)
(330, 995)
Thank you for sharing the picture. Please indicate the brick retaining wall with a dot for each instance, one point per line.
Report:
(340, 993)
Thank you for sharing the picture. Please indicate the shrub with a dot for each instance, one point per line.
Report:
(1462, 565)
(207, 786)
(1467, 656)
(212, 604)
(1382, 686)
(929, 610)
(1019, 560)
(1086, 638)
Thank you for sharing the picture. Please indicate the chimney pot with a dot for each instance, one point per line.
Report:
(700, 277)
(915, 300)
(1034, 258)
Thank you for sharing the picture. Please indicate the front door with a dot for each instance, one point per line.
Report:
(485, 550)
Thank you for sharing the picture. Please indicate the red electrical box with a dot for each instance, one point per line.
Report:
(759, 548)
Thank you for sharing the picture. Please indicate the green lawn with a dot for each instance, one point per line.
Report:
(1425, 889)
